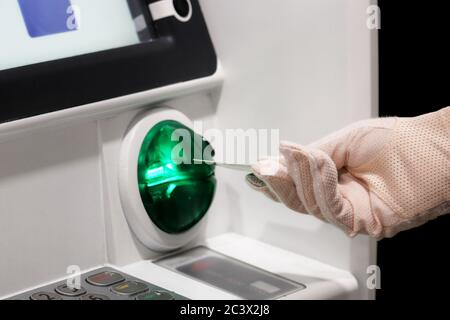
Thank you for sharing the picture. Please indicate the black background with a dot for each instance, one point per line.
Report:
(415, 79)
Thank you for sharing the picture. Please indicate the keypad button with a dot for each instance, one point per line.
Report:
(45, 296)
(156, 295)
(65, 290)
(129, 288)
(101, 284)
(94, 297)
(105, 279)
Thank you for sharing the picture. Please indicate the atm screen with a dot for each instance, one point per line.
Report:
(33, 31)
(69, 53)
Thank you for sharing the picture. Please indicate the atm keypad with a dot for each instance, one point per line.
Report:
(94, 297)
(65, 290)
(129, 288)
(156, 295)
(101, 284)
(45, 296)
(105, 278)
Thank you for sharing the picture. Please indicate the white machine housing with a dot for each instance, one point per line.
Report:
(306, 67)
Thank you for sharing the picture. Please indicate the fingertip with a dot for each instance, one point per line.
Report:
(254, 181)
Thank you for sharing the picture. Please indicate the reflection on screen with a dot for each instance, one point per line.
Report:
(33, 31)
(46, 17)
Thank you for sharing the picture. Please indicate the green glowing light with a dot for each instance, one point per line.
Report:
(170, 189)
(176, 195)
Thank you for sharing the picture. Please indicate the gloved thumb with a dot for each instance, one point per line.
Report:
(358, 143)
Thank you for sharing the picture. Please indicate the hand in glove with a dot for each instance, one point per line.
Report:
(377, 177)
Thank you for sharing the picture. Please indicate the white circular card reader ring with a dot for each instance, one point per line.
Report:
(165, 203)
(180, 9)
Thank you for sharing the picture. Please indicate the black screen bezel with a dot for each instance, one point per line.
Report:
(182, 51)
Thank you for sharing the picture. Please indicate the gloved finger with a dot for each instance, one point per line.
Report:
(298, 166)
(362, 214)
(278, 183)
(263, 188)
(254, 181)
(333, 206)
(260, 186)
(338, 193)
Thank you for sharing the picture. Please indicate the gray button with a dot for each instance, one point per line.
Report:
(156, 295)
(94, 297)
(45, 296)
(65, 290)
(105, 279)
(129, 288)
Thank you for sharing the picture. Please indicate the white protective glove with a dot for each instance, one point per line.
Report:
(377, 177)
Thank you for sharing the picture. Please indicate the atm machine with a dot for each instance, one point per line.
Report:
(91, 93)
